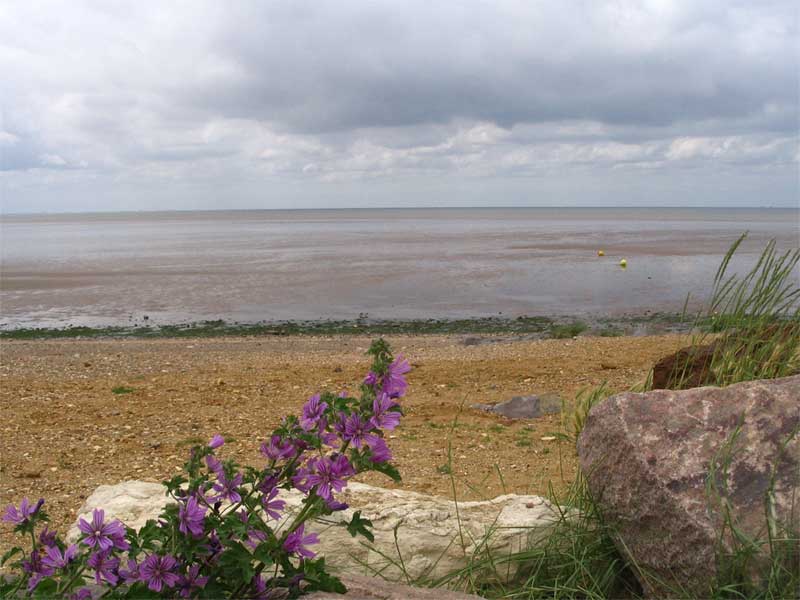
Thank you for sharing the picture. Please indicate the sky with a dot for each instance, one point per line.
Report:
(113, 105)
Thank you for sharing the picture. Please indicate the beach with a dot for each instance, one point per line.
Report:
(65, 431)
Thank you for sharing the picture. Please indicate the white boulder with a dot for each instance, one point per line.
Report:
(417, 536)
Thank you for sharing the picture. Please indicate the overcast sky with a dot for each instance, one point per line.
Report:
(174, 105)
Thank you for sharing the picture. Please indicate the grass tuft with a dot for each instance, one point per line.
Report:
(750, 328)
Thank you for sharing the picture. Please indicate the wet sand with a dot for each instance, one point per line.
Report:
(251, 266)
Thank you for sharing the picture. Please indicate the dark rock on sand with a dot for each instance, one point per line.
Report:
(524, 407)
(687, 368)
(648, 458)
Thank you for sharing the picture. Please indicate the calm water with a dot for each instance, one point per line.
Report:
(254, 265)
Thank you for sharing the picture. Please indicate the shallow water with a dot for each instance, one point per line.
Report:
(112, 269)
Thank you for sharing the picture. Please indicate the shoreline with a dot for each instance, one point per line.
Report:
(536, 327)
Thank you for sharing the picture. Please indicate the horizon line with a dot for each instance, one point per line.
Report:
(343, 208)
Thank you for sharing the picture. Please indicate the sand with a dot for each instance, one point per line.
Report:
(64, 431)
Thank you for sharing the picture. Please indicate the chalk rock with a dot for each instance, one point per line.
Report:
(648, 457)
(524, 407)
(433, 537)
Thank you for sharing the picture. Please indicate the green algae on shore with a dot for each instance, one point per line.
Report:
(544, 327)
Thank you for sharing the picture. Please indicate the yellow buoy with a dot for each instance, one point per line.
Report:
(600, 253)
(623, 263)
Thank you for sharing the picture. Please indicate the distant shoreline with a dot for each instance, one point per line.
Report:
(4, 215)
(539, 327)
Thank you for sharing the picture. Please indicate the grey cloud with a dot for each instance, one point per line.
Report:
(283, 96)
(340, 66)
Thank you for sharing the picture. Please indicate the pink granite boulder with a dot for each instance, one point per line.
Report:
(664, 465)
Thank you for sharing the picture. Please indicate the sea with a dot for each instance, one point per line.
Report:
(248, 266)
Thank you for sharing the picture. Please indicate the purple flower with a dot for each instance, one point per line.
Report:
(157, 571)
(300, 480)
(330, 475)
(356, 430)
(272, 506)
(278, 449)
(131, 574)
(337, 506)
(191, 517)
(379, 451)
(25, 512)
(36, 568)
(254, 538)
(55, 559)
(214, 465)
(295, 542)
(394, 384)
(227, 488)
(216, 442)
(312, 412)
(191, 581)
(105, 567)
(371, 379)
(103, 535)
(48, 537)
(84, 593)
(383, 417)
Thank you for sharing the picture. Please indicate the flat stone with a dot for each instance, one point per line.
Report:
(524, 407)
(433, 536)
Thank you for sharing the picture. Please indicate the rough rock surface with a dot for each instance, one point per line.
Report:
(648, 457)
(433, 538)
(524, 407)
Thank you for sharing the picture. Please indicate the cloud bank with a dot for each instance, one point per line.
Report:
(114, 105)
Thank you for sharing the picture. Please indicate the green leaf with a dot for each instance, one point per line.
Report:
(262, 553)
(46, 588)
(388, 469)
(319, 579)
(237, 560)
(357, 525)
(174, 484)
(10, 553)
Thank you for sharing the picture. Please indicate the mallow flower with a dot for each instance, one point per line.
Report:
(101, 534)
(394, 383)
(296, 542)
(24, 513)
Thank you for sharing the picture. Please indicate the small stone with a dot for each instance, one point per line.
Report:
(524, 407)
(548, 438)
